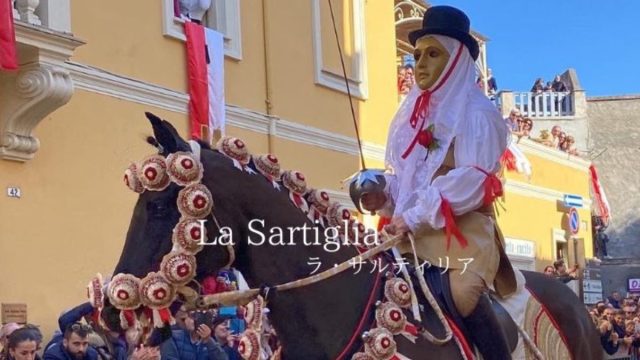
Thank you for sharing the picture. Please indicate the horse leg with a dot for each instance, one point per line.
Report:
(483, 326)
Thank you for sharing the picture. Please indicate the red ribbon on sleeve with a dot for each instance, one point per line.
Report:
(450, 225)
(492, 187)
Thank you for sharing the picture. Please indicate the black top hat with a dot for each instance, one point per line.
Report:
(447, 21)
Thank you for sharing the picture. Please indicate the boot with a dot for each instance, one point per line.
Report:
(486, 333)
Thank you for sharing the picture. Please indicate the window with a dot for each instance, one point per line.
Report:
(222, 16)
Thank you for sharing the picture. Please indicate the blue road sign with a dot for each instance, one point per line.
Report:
(574, 221)
(573, 201)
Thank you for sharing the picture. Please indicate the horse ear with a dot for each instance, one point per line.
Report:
(166, 135)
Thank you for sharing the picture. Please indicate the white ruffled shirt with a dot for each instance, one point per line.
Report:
(480, 141)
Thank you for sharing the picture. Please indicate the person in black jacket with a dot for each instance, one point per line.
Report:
(74, 346)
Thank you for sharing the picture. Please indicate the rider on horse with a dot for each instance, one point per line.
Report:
(443, 148)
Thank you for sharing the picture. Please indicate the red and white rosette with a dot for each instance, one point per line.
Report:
(397, 291)
(380, 344)
(189, 236)
(179, 268)
(183, 168)
(362, 356)
(124, 292)
(152, 173)
(253, 313)
(391, 317)
(236, 150)
(318, 204)
(337, 215)
(249, 345)
(195, 201)
(157, 293)
(269, 167)
(296, 183)
(131, 179)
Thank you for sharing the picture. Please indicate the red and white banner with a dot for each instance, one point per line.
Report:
(8, 52)
(602, 207)
(205, 67)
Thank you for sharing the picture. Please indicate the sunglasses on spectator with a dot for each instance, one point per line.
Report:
(81, 327)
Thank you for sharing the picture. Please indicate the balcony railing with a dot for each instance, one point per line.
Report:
(546, 104)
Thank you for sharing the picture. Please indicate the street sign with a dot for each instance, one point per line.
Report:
(574, 221)
(592, 286)
(591, 298)
(573, 201)
(633, 284)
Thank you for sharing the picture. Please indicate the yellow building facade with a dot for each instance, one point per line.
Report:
(72, 119)
(112, 61)
(533, 216)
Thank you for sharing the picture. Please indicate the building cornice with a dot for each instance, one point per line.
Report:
(533, 148)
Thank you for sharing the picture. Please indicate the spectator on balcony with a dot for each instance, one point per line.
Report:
(558, 85)
(562, 136)
(492, 85)
(544, 138)
(538, 87)
(568, 145)
(524, 129)
(555, 132)
(514, 119)
(408, 80)
(548, 88)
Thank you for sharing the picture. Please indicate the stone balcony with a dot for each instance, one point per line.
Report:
(565, 109)
(42, 83)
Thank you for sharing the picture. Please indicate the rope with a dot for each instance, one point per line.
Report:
(432, 301)
(346, 82)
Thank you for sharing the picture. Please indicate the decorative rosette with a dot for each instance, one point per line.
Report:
(320, 200)
(124, 292)
(195, 201)
(318, 205)
(253, 313)
(153, 173)
(397, 291)
(131, 179)
(380, 344)
(188, 235)
(236, 150)
(391, 317)
(249, 345)
(183, 168)
(362, 356)
(179, 268)
(296, 183)
(156, 292)
(337, 215)
(269, 167)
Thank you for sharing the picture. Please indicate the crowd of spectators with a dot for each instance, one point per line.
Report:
(557, 85)
(560, 271)
(522, 126)
(196, 335)
(618, 323)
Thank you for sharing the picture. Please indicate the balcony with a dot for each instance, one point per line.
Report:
(42, 83)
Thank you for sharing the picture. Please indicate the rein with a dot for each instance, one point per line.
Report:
(244, 296)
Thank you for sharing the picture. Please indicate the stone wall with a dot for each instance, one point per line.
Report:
(614, 123)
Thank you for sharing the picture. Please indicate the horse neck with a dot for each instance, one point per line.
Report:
(317, 320)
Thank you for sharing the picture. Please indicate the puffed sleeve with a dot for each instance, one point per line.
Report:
(480, 141)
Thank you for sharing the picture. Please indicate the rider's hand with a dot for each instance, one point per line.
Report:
(373, 201)
(397, 226)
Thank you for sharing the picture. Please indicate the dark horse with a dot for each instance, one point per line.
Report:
(312, 322)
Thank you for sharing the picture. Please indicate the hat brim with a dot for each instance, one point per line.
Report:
(463, 37)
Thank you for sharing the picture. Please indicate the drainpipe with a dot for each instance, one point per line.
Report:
(271, 132)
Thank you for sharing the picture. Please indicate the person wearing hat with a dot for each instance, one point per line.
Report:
(443, 149)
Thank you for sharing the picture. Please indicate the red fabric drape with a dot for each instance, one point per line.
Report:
(198, 79)
(8, 51)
